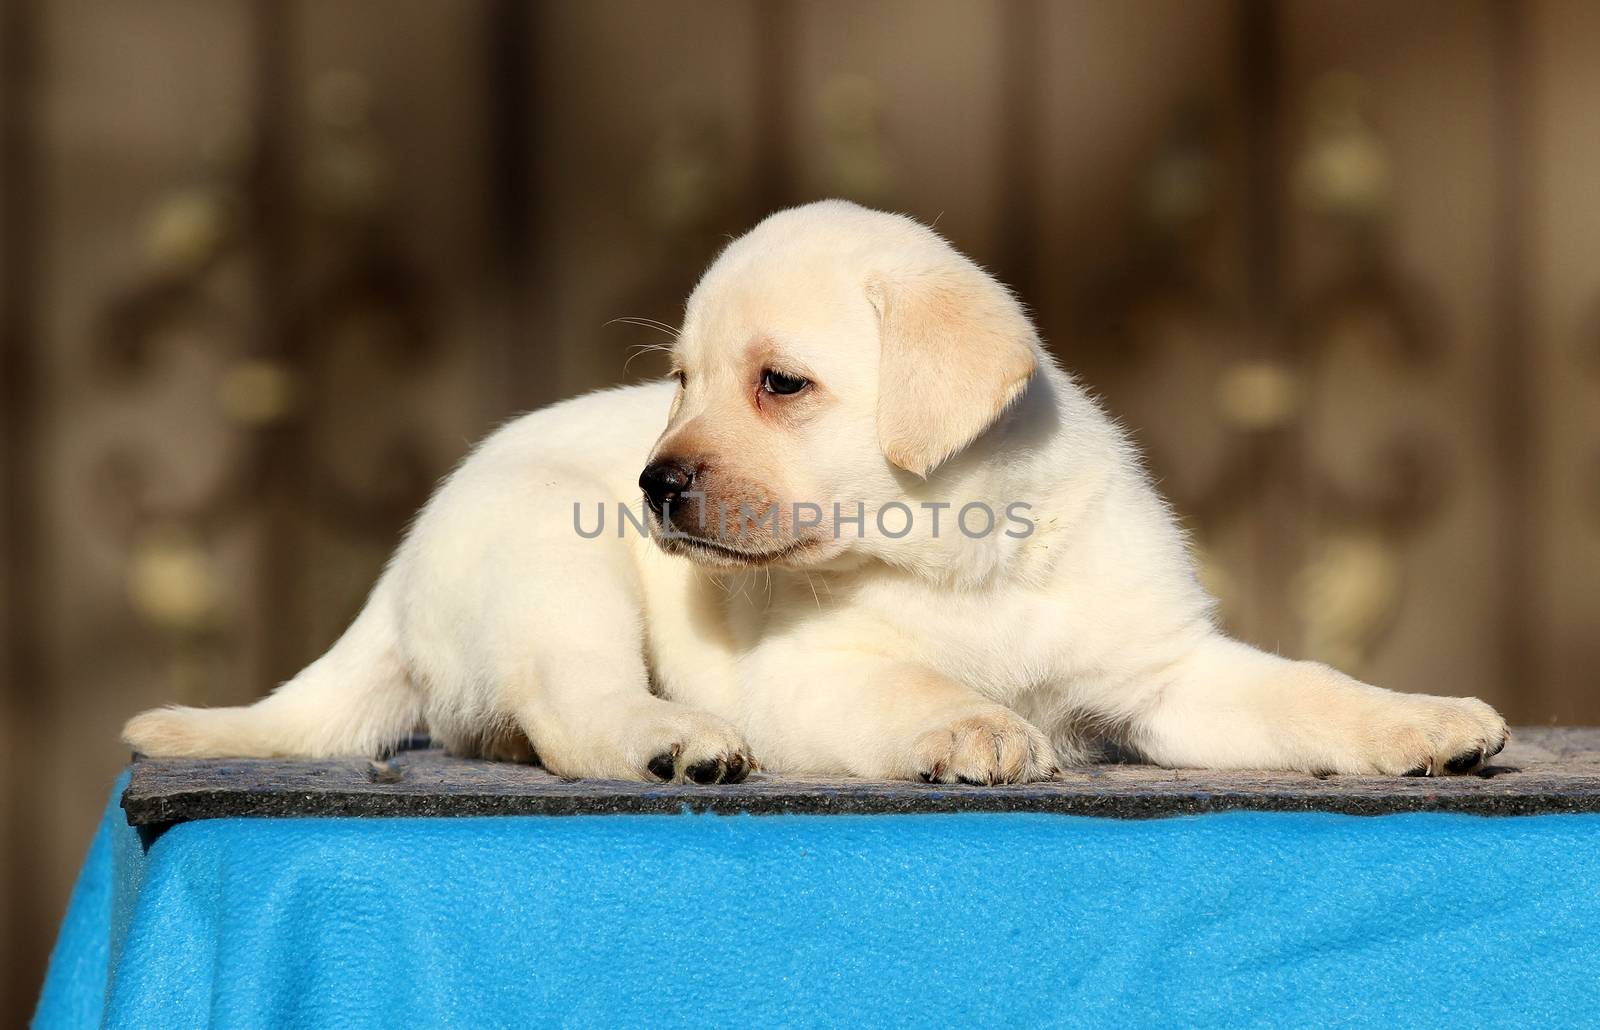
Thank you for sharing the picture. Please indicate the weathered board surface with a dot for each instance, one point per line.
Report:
(1541, 771)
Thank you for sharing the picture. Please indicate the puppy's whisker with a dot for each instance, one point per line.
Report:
(644, 348)
(742, 582)
(643, 323)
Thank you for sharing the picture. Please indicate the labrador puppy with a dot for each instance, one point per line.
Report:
(882, 535)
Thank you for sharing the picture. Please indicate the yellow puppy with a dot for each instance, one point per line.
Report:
(886, 536)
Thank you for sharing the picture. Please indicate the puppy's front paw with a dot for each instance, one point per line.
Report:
(652, 740)
(696, 747)
(1435, 736)
(994, 745)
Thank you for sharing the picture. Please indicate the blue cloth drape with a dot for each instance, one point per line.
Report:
(617, 921)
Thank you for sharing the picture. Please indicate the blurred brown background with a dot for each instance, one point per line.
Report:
(267, 268)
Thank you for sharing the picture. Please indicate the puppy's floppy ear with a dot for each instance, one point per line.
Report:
(957, 348)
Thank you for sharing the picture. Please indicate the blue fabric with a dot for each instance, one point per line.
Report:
(1239, 919)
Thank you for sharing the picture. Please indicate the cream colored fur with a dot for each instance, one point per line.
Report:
(930, 655)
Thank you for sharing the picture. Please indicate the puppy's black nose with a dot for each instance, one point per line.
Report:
(664, 481)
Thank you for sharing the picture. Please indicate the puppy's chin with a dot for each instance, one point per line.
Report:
(743, 555)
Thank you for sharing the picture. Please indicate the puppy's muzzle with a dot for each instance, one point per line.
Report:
(665, 482)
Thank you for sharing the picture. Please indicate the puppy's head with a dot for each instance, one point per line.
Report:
(829, 359)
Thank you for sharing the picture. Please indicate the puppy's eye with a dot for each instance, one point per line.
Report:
(680, 375)
(781, 384)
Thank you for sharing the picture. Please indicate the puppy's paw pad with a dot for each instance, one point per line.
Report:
(730, 768)
(663, 766)
(712, 754)
(712, 770)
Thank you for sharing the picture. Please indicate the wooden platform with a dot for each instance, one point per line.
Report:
(1541, 771)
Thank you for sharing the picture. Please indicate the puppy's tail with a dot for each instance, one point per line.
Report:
(354, 700)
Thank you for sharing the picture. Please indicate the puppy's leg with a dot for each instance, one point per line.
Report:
(1230, 706)
(565, 652)
(866, 715)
